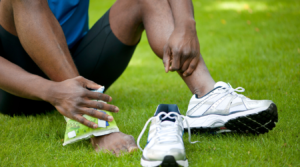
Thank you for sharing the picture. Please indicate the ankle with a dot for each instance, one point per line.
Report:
(201, 91)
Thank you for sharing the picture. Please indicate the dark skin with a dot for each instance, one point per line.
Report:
(171, 31)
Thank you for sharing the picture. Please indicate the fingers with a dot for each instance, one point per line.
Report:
(97, 114)
(185, 65)
(166, 58)
(191, 68)
(98, 96)
(175, 60)
(84, 121)
(186, 56)
(101, 106)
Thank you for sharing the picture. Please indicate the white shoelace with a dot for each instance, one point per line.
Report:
(166, 133)
(231, 90)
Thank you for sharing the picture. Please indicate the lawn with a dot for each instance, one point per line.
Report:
(252, 44)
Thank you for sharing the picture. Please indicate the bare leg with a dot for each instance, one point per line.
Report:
(129, 18)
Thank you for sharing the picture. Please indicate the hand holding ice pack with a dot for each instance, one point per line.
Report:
(76, 131)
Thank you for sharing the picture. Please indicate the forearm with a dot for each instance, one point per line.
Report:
(43, 39)
(18, 82)
(183, 13)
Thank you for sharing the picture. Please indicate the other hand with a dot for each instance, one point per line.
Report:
(182, 51)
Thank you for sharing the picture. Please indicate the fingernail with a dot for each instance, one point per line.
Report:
(110, 118)
(116, 109)
(95, 126)
(110, 99)
(184, 75)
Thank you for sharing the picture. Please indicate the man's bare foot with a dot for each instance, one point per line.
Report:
(114, 142)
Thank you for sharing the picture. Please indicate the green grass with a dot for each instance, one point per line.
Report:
(253, 44)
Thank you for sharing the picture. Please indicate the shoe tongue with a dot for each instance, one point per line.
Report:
(221, 84)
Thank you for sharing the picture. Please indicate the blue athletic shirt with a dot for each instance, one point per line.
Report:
(72, 15)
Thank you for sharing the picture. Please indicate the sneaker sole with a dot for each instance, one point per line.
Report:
(257, 121)
(168, 161)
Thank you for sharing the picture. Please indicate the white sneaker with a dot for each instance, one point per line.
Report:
(223, 110)
(165, 145)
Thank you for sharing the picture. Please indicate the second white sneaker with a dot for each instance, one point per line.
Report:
(223, 110)
(165, 146)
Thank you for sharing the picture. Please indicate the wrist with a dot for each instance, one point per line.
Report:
(48, 92)
(185, 24)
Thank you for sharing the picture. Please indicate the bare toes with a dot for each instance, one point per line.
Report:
(132, 149)
(117, 143)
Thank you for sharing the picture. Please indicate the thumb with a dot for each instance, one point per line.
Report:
(166, 58)
(90, 84)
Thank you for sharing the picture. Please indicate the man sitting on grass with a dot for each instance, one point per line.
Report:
(49, 56)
